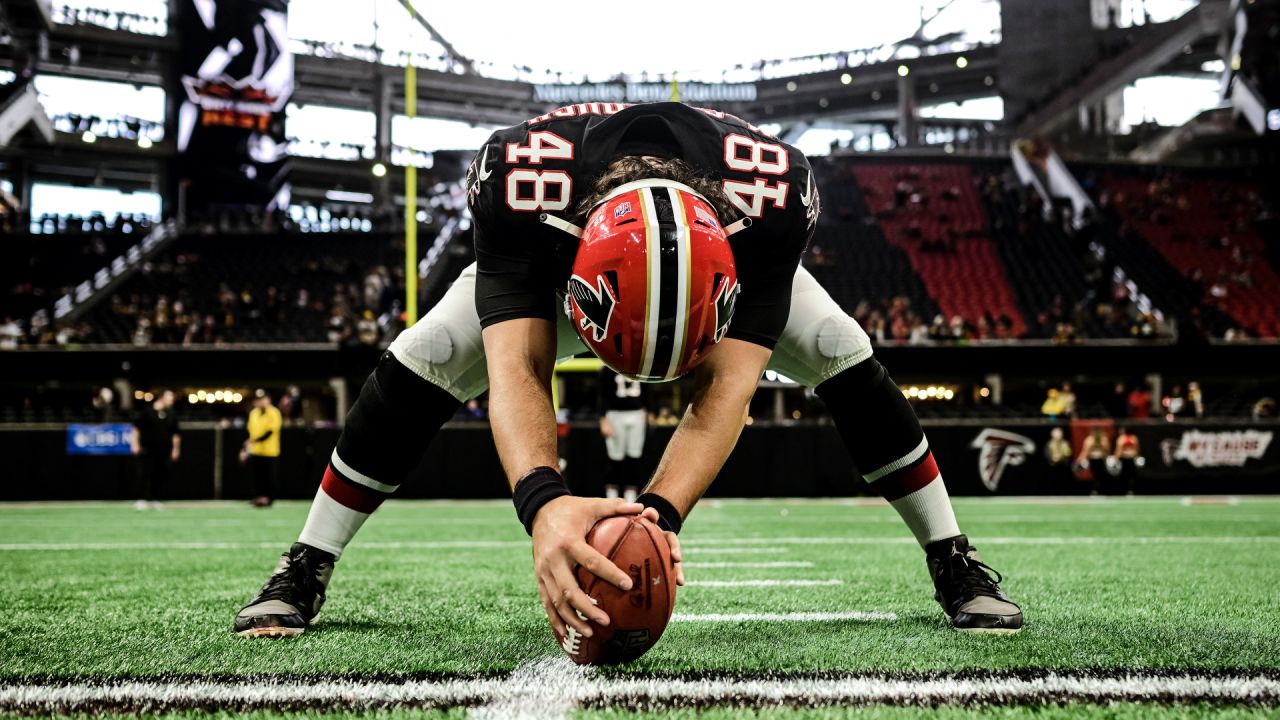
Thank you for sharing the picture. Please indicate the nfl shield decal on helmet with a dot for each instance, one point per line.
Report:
(596, 304)
(998, 449)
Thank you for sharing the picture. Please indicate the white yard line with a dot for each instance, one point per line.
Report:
(761, 583)
(553, 687)
(784, 617)
(694, 545)
(729, 550)
(775, 564)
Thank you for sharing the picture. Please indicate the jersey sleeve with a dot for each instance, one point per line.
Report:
(768, 255)
(515, 268)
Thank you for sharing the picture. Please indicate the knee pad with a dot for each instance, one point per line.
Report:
(392, 422)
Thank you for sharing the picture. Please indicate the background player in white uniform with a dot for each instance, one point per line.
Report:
(624, 423)
(500, 326)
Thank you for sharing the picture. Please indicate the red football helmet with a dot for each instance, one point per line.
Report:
(653, 285)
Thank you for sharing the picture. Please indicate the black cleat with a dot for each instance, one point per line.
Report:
(292, 597)
(967, 592)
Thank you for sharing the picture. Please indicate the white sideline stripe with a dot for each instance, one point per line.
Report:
(776, 564)
(741, 551)
(703, 544)
(762, 583)
(784, 617)
(551, 688)
(357, 476)
(700, 547)
(916, 453)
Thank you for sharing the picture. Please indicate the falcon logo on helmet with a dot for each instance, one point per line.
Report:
(595, 305)
(665, 282)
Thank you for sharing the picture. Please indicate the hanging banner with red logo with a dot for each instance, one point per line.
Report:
(237, 76)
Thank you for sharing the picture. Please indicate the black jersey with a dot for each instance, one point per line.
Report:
(620, 393)
(547, 164)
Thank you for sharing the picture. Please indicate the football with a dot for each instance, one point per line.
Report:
(636, 617)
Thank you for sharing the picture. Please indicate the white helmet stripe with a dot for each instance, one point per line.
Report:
(682, 282)
(653, 301)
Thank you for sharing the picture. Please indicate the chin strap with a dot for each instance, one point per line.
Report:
(559, 224)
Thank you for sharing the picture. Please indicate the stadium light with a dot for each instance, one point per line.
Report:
(144, 142)
(348, 196)
(962, 62)
(903, 71)
(846, 78)
(89, 137)
(791, 86)
(379, 170)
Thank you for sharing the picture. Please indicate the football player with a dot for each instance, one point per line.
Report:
(665, 238)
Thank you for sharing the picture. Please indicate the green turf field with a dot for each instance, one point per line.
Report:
(1134, 607)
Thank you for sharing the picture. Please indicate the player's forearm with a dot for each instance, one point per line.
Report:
(520, 356)
(710, 428)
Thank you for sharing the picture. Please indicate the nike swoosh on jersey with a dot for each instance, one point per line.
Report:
(807, 197)
(481, 173)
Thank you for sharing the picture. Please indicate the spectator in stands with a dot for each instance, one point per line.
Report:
(1117, 403)
(1053, 406)
(1174, 403)
(156, 444)
(1058, 450)
(1139, 403)
(104, 406)
(1129, 455)
(1068, 396)
(10, 333)
(1195, 399)
(339, 329)
(262, 448)
(1264, 409)
(367, 329)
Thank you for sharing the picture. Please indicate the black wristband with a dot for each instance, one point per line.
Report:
(538, 487)
(668, 516)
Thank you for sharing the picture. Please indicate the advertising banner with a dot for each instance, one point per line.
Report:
(237, 77)
(107, 439)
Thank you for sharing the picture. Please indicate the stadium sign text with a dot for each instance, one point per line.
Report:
(1217, 449)
(644, 92)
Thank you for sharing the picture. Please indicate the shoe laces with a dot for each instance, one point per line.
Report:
(971, 575)
(283, 584)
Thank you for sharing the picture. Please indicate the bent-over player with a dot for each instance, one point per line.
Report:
(663, 184)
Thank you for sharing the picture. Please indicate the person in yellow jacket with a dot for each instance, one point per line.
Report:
(262, 448)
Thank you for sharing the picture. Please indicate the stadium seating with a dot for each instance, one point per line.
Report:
(934, 214)
(246, 288)
(1203, 229)
(849, 254)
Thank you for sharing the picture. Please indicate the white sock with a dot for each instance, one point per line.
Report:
(330, 525)
(928, 513)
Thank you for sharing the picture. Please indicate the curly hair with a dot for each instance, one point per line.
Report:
(629, 168)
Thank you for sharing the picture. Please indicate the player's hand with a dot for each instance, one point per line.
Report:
(606, 427)
(673, 541)
(559, 545)
(175, 454)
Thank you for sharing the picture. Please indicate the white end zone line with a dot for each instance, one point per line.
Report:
(699, 546)
(553, 687)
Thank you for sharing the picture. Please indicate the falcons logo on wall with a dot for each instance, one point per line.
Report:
(595, 303)
(998, 449)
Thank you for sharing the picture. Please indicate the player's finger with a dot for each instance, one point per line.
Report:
(607, 507)
(676, 557)
(599, 565)
(650, 514)
(577, 603)
(552, 616)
